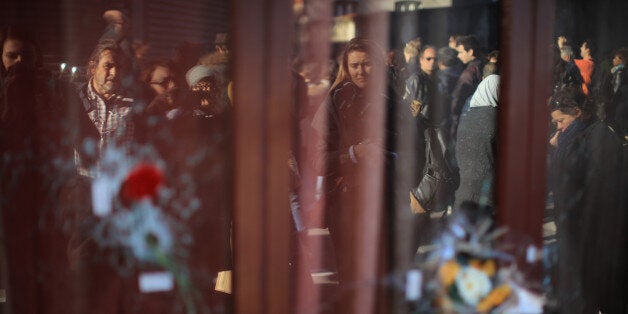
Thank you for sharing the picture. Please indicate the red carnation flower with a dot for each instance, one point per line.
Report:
(143, 181)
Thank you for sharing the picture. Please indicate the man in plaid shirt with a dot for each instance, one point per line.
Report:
(108, 112)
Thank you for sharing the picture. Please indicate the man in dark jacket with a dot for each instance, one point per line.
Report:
(617, 113)
(450, 69)
(423, 96)
(421, 86)
(469, 53)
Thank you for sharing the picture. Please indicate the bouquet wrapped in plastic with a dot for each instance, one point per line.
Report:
(472, 267)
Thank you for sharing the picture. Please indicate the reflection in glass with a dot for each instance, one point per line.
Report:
(116, 169)
(586, 218)
(402, 121)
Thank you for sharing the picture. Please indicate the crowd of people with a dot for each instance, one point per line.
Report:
(429, 89)
(587, 178)
(56, 134)
(450, 96)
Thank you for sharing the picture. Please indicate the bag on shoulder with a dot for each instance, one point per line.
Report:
(439, 180)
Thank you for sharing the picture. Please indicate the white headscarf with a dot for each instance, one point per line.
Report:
(487, 93)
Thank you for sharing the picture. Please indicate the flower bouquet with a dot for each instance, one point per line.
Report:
(470, 274)
(141, 219)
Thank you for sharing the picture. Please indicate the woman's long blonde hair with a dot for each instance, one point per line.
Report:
(362, 45)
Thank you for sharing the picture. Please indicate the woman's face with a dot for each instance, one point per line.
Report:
(617, 60)
(563, 120)
(360, 66)
(162, 80)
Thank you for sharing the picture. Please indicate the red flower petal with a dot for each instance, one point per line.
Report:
(143, 181)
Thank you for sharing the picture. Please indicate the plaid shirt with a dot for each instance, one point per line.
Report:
(112, 119)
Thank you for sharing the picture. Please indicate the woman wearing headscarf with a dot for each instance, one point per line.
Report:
(585, 175)
(475, 148)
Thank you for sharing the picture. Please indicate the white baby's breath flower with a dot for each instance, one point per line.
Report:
(150, 232)
(473, 285)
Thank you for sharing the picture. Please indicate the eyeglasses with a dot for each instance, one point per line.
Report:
(165, 82)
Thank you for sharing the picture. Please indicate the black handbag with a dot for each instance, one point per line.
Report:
(439, 180)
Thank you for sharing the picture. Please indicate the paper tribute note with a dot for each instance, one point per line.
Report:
(156, 282)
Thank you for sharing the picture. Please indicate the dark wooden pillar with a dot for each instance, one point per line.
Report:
(262, 45)
(523, 115)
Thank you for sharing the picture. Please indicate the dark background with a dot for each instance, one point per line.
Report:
(67, 30)
(606, 22)
(434, 26)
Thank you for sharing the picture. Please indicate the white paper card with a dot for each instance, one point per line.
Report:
(156, 282)
(101, 197)
(414, 281)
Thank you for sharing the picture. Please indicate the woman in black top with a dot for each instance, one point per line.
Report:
(586, 180)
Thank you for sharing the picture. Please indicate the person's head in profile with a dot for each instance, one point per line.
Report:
(160, 80)
(567, 106)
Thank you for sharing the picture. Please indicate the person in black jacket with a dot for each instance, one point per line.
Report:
(421, 86)
(425, 101)
(449, 70)
(352, 150)
(469, 53)
(618, 109)
(585, 175)
(566, 73)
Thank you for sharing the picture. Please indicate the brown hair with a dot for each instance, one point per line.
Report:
(413, 47)
(22, 35)
(150, 66)
(622, 53)
(101, 47)
(570, 98)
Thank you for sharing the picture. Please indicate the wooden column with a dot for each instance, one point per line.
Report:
(523, 114)
(261, 49)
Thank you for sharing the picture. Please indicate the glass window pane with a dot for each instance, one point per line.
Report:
(117, 169)
(585, 224)
(389, 123)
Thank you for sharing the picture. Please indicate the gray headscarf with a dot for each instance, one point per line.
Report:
(487, 93)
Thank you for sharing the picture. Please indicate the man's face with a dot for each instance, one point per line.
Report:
(428, 61)
(106, 74)
(584, 50)
(13, 52)
(465, 56)
(360, 66)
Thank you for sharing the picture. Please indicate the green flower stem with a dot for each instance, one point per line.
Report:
(183, 281)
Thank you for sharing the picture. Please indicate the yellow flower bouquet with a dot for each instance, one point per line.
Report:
(467, 273)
